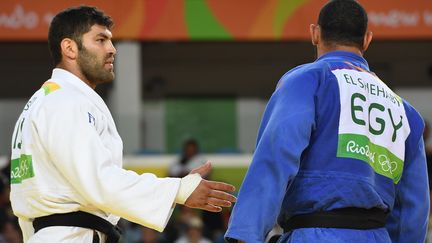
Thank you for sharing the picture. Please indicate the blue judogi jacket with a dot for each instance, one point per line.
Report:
(333, 135)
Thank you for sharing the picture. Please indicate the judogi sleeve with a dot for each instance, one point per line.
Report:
(78, 152)
(408, 220)
(284, 133)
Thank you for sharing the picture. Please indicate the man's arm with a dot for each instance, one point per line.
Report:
(284, 134)
(81, 157)
(408, 220)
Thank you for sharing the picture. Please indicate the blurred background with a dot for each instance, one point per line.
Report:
(193, 78)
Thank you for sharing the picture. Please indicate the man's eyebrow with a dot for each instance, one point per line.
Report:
(103, 35)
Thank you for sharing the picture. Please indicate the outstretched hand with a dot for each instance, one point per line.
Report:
(210, 195)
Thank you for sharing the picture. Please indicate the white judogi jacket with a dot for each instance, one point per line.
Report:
(67, 156)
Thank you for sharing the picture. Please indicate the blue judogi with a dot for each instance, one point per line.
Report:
(334, 136)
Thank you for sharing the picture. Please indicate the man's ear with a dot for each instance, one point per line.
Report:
(367, 40)
(315, 32)
(69, 48)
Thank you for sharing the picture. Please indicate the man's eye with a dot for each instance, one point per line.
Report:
(100, 40)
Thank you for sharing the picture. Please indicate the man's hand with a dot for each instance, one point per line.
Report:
(210, 195)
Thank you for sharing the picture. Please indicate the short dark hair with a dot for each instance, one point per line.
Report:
(343, 22)
(73, 23)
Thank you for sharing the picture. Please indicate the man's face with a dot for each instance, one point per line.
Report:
(96, 57)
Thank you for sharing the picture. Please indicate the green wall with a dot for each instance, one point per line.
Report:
(211, 121)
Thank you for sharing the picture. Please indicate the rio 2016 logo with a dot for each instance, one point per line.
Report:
(383, 160)
(21, 170)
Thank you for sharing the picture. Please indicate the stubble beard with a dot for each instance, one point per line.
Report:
(92, 69)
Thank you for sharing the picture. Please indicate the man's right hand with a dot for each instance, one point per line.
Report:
(210, 195)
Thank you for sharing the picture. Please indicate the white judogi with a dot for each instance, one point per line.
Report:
(67, 156)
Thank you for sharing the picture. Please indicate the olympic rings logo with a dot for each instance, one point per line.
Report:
(386, 164)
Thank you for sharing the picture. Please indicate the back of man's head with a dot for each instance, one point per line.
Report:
(343, 22)
(73, 23)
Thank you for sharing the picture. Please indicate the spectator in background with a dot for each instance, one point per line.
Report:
(214, 226)
(150, 236)
(4, 193)
(193, 232)
(9, 229)
(428, 148)
(190, 157)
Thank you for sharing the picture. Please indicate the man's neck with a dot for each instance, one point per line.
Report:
(75, 71)
(323, 49)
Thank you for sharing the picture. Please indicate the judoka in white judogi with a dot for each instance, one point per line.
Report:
(67, 156)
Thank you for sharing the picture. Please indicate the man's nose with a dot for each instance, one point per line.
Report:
(112, 49)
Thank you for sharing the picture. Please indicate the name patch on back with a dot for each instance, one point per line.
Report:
(373, 125)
